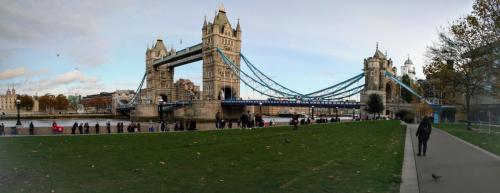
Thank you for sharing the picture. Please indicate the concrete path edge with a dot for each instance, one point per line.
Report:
(409, 176)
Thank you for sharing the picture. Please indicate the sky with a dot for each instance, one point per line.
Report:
(87, 47)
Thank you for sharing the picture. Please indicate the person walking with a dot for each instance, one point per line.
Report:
(244, 118)
(217, 120)
(87, 128)
(138, 127)
(108, 127)
(176, 126)
(423, 134)
(119, 127)
(295, 121)
(73, 129)
(2, 129)
(32, 128)
(192, 125)
(162, 126)
(97, 128)
(80, 128)
(151, 126)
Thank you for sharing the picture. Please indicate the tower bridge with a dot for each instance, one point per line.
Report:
(221, 56)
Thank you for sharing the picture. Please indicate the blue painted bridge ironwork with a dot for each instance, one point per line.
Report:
(316, 104)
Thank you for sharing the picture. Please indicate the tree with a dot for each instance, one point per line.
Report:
(26, 102)
(406, 95)
(375, 104)
(466, 57)
(61, 102)
(46, 102)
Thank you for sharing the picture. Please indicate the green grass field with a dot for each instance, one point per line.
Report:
(349, 157)
(490, 142)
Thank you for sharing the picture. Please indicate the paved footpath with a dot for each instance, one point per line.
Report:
(463, 167)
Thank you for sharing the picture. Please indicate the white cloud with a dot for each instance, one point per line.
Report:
(66, 83)
(13, 73)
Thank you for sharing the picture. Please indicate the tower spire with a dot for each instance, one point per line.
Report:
(376, 47)
(221, 8)
(238, 28)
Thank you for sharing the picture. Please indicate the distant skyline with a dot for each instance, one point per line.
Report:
(87, 47)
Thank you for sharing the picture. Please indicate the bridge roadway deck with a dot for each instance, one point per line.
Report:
(184, 56)
(316, 104)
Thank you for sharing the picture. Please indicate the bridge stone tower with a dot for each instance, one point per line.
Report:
(159, 80)
(219, 82)
(375, 80)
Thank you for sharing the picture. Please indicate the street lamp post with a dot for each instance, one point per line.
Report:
(260, 108)
(160, 109)
(18, 104)
(312, 112)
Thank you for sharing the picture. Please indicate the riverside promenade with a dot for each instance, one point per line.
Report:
(464, 168)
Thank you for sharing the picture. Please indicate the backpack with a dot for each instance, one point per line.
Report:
(427, 129)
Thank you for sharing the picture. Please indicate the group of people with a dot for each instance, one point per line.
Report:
(84, 128)
(246, 120)
(14, 130)
(189, 125)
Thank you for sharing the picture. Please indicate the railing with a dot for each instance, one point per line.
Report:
(292, 103)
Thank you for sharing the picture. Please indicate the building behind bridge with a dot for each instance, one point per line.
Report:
(8, 101)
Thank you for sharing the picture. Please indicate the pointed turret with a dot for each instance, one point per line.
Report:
(378, 53)
(221, 18)
(159, 44)
(205, 22)
(238, 28)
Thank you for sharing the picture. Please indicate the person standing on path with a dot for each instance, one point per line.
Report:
(80, 128)
(423, 134)
(2, 129)
(32, 128)
(97, 128)
(295, 121)
(217, 120)
(73, 129)
(108, 127)
(87, 128)
(162, 126)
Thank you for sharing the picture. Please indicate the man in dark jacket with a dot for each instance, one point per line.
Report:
(108, 127)
(244, 119)
(295, 120)
(73, 129)
(423, 133)
(80, 128)
(32, 129)
(97, 128)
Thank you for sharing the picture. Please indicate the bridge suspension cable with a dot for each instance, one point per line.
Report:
(323, 93)
(264, 85)
(266, 80)
(251, 82)
(137, 95)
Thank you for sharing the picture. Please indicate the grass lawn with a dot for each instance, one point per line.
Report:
(490, 142)
(349, 157)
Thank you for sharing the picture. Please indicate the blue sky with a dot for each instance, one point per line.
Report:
(305, 45)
